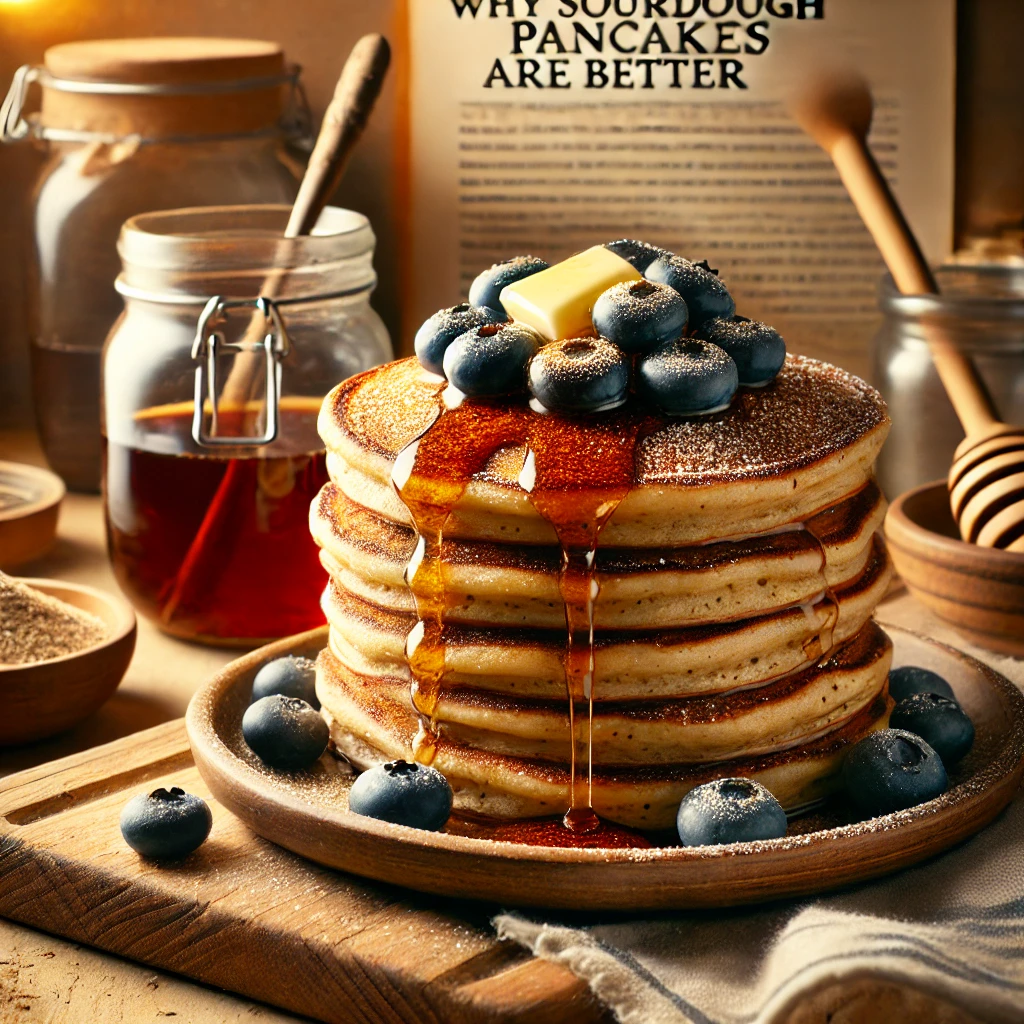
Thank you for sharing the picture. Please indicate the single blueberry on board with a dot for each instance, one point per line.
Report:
(687, 377)
(706, 296)
(486, 287)
(939, 721)
(440, 330)
(640, 254)
(891, 770)
(729, 811)
(491, 360)
(640, 316)
(285, 732)
(404, 794)
(909, 679)
(757, 349)
(290, 676)
(580, 375)
(167, 824)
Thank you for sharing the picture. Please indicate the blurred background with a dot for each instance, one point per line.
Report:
(318, 34)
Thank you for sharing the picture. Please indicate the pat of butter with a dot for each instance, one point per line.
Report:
(558, 302)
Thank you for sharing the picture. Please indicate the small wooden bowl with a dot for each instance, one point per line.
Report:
(30, 500)
(978, 591)
(44, 698)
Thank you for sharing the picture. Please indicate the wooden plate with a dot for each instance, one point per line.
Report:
(30, 500)
(307, 812)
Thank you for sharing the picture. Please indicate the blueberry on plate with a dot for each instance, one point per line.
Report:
(757, 349)
(729, 811)
(706, 297)
(491, 360)
(687, 377)
(939, 721)
(639, 316)
(166, 824)
(640, 254)
(440, 330)
(908, 679)
(891, 770)
(486, 287)
(284, 732)
(290, 676)
(580, 375)
(404, 794)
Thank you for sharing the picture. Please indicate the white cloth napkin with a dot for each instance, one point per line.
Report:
(953, 927)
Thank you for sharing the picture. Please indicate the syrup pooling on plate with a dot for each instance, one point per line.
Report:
(576, 473)
(430, 475)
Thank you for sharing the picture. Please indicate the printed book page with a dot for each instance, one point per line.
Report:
(546, 126)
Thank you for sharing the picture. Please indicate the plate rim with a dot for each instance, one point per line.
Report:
(229, 777)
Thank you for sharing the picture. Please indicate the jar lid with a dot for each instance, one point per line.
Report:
(164, 86)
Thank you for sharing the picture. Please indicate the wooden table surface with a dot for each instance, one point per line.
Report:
(44, 978)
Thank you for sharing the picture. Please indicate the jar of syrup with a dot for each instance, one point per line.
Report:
(213, 377)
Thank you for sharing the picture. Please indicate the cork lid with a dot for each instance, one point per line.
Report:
(246, 92)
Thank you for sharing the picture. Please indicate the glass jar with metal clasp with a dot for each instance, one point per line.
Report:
(980, 309)
(124, 127)
(213, 378)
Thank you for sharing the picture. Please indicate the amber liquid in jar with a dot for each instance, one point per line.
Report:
(217, 548)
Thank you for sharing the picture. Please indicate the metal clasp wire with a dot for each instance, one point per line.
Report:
(209, 343)
(13, 127)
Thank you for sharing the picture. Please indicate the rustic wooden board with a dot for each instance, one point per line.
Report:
(247, 916)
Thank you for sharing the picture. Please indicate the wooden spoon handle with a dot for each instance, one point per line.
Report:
(346, 116)
(883, 218)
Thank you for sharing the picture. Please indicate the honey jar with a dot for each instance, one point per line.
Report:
(212, 380)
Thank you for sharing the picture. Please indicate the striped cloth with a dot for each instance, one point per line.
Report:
(953, 927)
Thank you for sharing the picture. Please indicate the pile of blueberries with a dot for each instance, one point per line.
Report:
(887, 771)
(673, 338)
(284, 728)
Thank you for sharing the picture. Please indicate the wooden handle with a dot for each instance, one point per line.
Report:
(354, 96)
(346, 116)
(883, 218)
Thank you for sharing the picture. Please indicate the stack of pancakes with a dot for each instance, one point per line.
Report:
(733, 631)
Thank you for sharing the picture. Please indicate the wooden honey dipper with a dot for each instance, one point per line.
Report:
(986, 481)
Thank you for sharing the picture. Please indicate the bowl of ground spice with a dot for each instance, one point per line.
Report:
(64, 647)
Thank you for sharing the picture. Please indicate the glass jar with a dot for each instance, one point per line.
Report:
(981, 309)
(128, 126)
(207, 515)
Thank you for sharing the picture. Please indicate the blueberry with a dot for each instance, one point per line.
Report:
(580, 375)
(404, 794)
(939, 721)
(639, 316)
(729, 811)
(757, 349)
(908, 679)
(491, 360)
(166, 824)
(687, 377)
(486, 288)
(289, 676)
(284, 732)
(706, 297)
(437, 333)
(890, 770)
(640, 254)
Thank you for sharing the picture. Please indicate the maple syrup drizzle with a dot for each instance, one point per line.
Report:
(820, 645)
(576, 474)
(430, 475)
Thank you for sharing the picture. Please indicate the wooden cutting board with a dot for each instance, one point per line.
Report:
(245, 915)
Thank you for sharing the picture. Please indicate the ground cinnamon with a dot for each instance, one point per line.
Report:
(37, 627)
